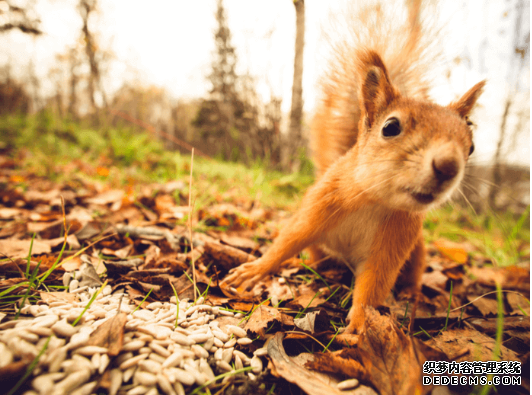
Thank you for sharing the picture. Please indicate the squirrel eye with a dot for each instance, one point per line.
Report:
(471, 149)
(391, 128)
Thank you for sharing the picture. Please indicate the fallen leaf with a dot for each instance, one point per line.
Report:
(393, 361)
(489, 325)
(485, 305)
(110, 334)
(226, 256)
(262, 318)
(436, 280)
(452, 342)
(72, 242)
(11, 373)
(7, 212)
(316, 321)
(343, 363)
(89, 276)
(20, 248)
(518, 303)
(239, 242)
(49, 297)
(308, 300)
(451, 250)
(287, 368)
(112, 196)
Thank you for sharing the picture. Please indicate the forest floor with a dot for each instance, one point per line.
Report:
(131, 223)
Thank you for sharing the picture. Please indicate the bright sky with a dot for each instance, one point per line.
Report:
(169, 43)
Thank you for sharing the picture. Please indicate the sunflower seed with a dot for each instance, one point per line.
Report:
(132, 361)
(256, 364)
(347, 384)
(236, 330)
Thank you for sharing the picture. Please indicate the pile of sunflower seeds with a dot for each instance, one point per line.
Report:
(156, 356)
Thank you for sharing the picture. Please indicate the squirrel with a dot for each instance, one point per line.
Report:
(385, 154)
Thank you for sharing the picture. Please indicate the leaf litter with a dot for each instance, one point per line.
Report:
(139, 241)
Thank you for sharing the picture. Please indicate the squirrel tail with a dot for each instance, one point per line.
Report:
(403, 37)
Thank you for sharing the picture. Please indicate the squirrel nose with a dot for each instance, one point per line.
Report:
(445, 167)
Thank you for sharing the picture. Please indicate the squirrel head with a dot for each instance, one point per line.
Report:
(411, 154)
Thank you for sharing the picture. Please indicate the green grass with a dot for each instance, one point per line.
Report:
(123, 156)
(502, 237)
(49, 147)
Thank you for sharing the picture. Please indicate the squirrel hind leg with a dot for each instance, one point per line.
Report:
(316, 254)
(409, 281)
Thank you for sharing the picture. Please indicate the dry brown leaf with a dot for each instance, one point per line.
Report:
(8, 212)
(20, 248)
(121, 253)
(518, 303)
(278, 290)
(453, 342)
(73, 263)
(393, 361)
(112, 196)
(244, 306)
(307, 300)
(89, 276)
(341, 362)
(49, 297)
(239, 242)
(72, 242)
(435, 280)
(56, 229)
(315, 321)
(454, 251)
(262, 318)
(344, 339)
(512, 323)
(167, 261)
(287, 368)
(226, 256)
(11, 373)
(110, 334)
(511, 277)
(164, 202)
(485, 305)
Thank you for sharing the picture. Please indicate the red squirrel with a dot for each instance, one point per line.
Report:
(385, 155)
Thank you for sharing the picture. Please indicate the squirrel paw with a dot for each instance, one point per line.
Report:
(246, 275)
(409, 293)
(355, 320)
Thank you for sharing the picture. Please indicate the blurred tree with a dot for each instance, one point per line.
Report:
(521, 50)
(13, 95)
(17, 15)
(294, 140)
(223, 76)
(86, 8)
(216, 116)
(233, 122)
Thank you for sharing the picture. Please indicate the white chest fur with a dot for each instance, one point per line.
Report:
(351, 238)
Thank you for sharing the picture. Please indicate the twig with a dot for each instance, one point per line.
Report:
(190, 225)
(312, 337)
(481, 296)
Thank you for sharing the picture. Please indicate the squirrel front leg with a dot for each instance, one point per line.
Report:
(315, 217)
(397, 237)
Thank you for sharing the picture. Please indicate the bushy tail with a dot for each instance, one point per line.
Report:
(404, 39)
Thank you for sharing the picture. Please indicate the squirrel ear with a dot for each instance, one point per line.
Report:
(376, 91)
(465, 104)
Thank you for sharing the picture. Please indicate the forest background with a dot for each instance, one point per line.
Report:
(221, 77)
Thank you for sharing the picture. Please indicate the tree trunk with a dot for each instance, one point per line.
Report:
(497, 173)
(296, 114)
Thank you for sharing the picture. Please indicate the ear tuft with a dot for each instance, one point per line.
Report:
(465, 104)
(376, 91)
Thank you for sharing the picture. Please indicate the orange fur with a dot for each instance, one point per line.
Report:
(384, 155)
